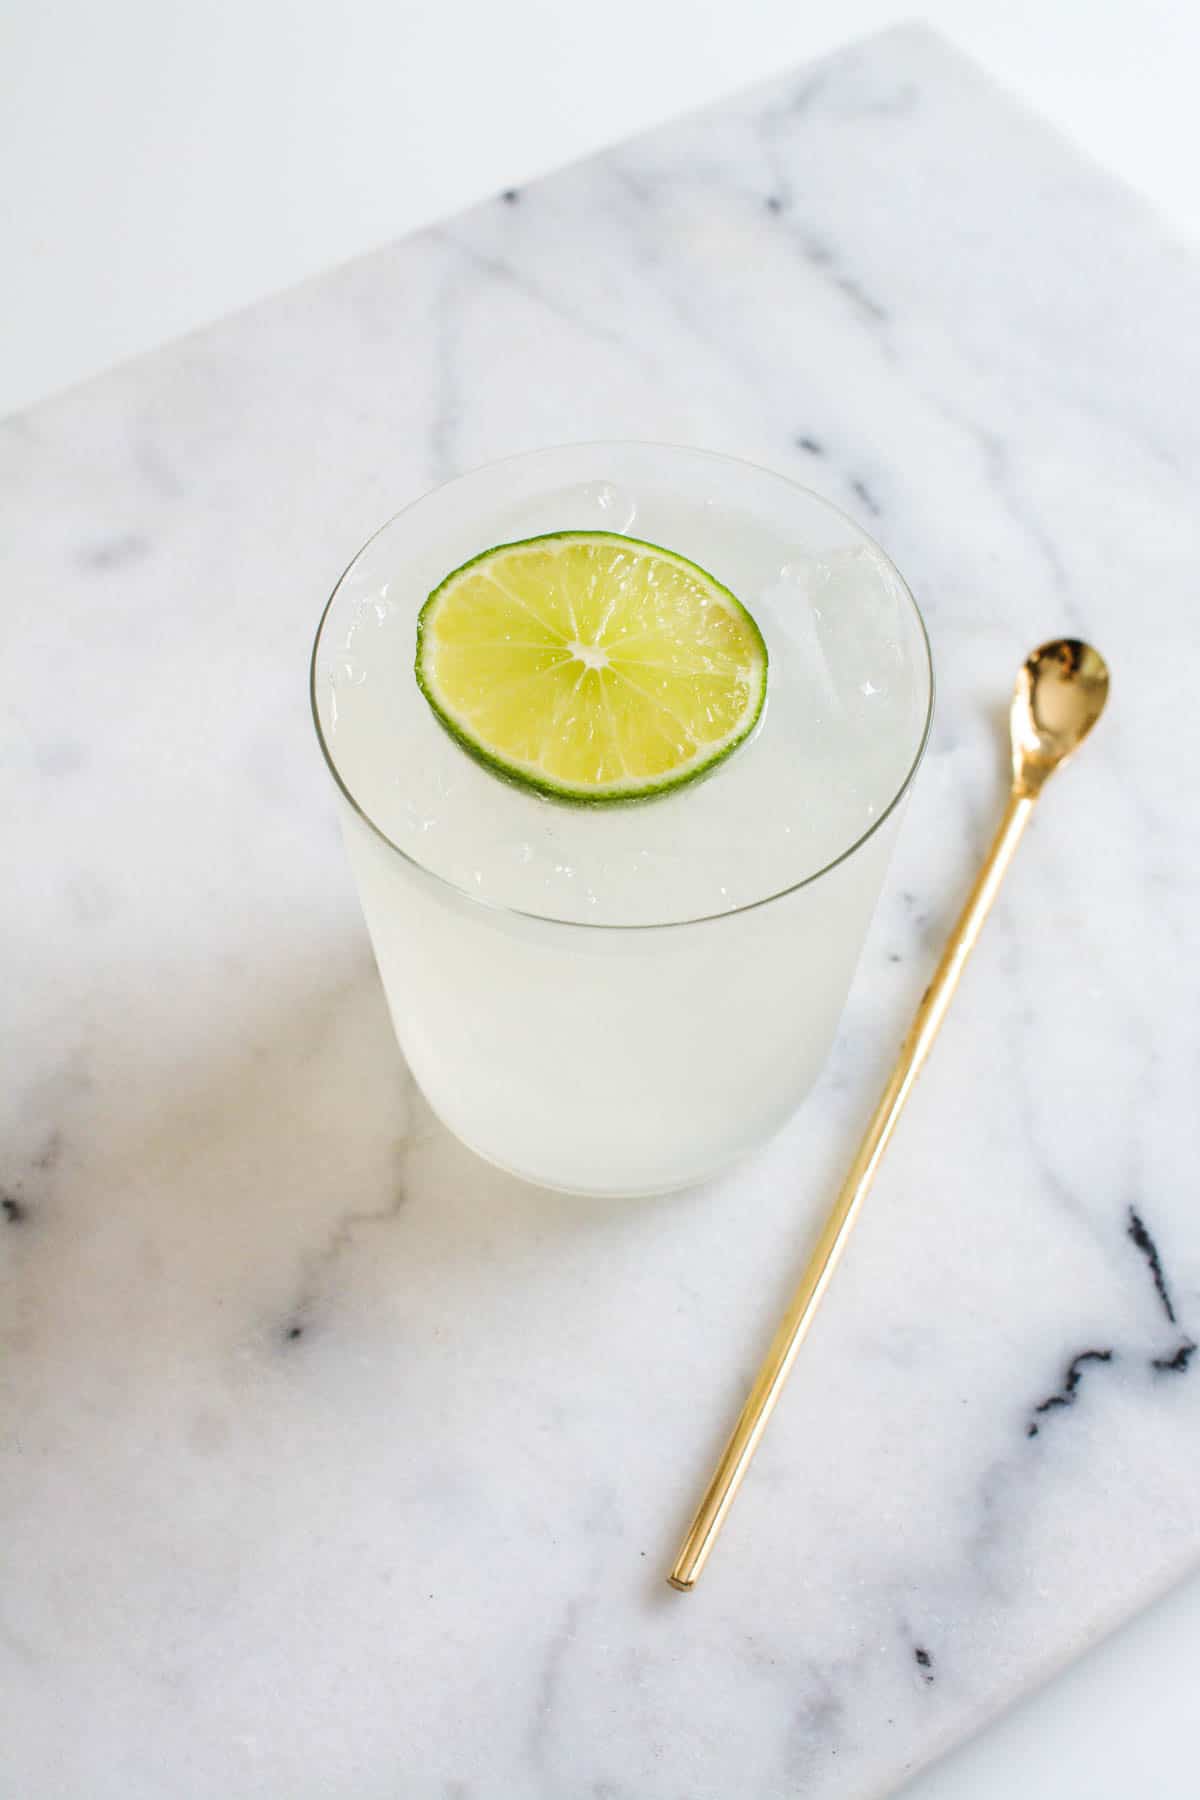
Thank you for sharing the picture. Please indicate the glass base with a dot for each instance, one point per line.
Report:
(582, 1191)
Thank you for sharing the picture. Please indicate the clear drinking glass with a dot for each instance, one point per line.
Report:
(647, 1028)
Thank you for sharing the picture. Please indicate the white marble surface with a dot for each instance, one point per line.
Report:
(337, 1464)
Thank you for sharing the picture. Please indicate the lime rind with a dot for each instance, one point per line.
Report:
(531, 776)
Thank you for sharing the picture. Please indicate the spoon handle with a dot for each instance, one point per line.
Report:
(835, 1233)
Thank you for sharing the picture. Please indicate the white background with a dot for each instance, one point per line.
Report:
(160, 166)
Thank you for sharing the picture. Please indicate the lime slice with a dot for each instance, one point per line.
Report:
(591, 666)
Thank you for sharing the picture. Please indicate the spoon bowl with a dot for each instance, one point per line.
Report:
(1060, 693)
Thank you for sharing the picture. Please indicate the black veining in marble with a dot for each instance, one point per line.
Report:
(113, 553)
(1177, 1362)
(1069, 1391)
(1174, 1362)
(820, 255)
(855, 291)
(804, 95)
(924, 1662)
(863, 493)
(1149, 1249)
(811, 444)
(318, 1262)
(13, 1204)
(894, 105)
(157, 472)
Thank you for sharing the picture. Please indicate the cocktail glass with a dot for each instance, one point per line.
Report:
(638, 1047)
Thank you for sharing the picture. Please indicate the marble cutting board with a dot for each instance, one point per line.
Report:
(337, 1464)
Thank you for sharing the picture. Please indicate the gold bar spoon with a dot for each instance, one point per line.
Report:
(1060, 693)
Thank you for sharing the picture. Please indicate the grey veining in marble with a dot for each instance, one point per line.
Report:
(337, 1464)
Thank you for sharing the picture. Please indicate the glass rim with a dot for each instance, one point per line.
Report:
(598, 925)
